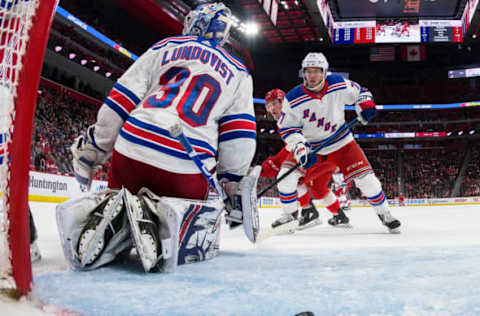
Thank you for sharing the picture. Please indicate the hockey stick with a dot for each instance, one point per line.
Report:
(326, 143)
(250, 219)
(177, 132)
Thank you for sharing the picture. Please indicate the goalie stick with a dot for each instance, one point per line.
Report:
(327, 142)
(250, 219)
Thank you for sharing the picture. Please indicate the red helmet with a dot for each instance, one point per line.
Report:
(274, 94)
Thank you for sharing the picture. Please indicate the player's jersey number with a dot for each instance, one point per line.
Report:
(196, 102)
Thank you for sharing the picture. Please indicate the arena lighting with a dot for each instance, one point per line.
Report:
(96, 68)
(449, 133)
(58, 48)
(251, 28)
(460, 133)
(83, 62)
(471, 132)
(262, 130)
(272, 131)
(72, 55)
(108, 74)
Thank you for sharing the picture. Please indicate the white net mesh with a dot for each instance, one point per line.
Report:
(15, 22)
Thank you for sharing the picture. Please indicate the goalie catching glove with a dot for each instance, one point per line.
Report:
(87, 156)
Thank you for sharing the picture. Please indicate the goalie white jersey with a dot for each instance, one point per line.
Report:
(312, 117)
(183, 78)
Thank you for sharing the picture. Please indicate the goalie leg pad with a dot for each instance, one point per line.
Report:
(189, 230)
(144, 229)
(93, 229)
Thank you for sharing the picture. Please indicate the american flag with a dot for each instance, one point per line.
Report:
(382, 53)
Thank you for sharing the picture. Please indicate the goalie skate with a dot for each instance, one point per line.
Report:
(104, 222)
(144, 230)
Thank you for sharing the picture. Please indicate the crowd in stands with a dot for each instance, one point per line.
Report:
(430, 173)
(471, 182)
(58, 120)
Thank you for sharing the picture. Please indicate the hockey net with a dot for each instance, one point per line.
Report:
(24, 28)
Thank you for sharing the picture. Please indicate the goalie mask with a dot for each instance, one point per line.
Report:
(315, 60)
(211, 21)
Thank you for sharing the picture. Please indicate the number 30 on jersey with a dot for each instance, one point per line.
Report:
(187, 106)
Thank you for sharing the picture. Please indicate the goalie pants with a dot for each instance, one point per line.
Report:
(134, 175)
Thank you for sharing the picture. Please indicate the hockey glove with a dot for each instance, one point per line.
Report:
(303, 156)
(233, 205)
(86, 157)
(269, 168)
(366, 110)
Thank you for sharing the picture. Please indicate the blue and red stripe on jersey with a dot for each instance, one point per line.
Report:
(287, 131)
(301, 99)
(232, 59)
(288, 198)
(377, 199)
(237, 126)
(336, 87)
(159, 139)
(122, 100)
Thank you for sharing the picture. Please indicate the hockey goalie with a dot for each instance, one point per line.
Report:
(157, 201)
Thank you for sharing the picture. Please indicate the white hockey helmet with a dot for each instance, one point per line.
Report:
(211, 21)
(317, 60)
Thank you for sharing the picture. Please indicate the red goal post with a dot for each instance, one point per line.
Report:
(24, 30)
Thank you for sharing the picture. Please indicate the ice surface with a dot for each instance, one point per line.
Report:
(429, 269)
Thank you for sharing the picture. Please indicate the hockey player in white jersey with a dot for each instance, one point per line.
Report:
(190, 80)
(313, 111)
(293, 189)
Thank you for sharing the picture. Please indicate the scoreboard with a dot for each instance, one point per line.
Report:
(423, 31)
(441, 31)
(354, 32)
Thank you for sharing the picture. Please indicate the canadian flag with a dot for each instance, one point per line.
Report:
(413, 53)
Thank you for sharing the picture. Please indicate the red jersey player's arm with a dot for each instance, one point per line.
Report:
(280, 157)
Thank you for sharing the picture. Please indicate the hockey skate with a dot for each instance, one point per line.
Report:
(310, 218)
(340, 220)
(390, 222)
(35, 252)
(286, 218)
(103, 223)
(144, 230)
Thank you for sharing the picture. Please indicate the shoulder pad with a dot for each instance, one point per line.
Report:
(334, 79)
(294, 93)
